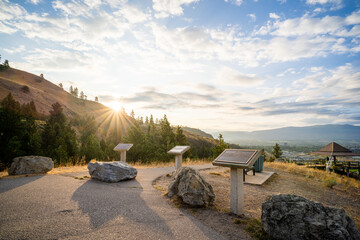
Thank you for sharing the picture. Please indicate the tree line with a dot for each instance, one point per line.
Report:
(76, 141)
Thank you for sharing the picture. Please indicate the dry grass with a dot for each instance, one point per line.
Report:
(82, 166)
(186, 162)
(329, 179)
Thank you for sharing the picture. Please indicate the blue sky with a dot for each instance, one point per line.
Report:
(215, 65)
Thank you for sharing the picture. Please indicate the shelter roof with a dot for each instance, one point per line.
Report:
(335, 149)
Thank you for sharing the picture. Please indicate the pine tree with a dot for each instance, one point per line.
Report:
(132, 114)
(58, 138)
(61, 85)
(180, 138)
(220, 147)
(96, 99)
(277, 152)
(11, 104)
(82, 95)
(76, 92)
(167, 136)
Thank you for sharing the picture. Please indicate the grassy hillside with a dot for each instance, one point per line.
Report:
(197, 132)
(26, 87)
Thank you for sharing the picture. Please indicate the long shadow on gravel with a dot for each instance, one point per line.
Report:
(104, 202)
(12, 183)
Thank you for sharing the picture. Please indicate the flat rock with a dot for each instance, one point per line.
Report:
(287, 216)
(30, 165)
(111, 171)
(191, 188)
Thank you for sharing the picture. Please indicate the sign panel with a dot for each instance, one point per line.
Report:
(123, 147)
(178, 150)
(237, 158)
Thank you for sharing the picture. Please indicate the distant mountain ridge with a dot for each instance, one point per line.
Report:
(310, 134)
(197, 132)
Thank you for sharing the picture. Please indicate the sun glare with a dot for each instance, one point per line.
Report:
(116, 106)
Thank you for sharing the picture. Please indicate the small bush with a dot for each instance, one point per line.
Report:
(330, 182)
(253, 227)
(25, 89)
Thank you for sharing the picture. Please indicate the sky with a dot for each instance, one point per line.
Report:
(211, 64)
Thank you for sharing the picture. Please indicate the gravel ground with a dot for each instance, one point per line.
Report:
(219, 218)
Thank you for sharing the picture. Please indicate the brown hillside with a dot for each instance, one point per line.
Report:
(44, 94)
(25, 87)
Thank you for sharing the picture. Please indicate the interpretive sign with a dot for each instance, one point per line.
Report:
(122, 148)
(237, 160)
(178, 151)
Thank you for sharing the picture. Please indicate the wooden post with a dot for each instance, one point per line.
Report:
(236, 191)
(123, 156)
(178, 161)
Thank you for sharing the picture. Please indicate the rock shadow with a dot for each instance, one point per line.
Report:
(7, 184)
(103, 202)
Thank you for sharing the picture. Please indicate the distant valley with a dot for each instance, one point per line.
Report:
(314, 135)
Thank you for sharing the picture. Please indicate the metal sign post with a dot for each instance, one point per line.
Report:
(178, 151)
(122, 148)
(237, 160)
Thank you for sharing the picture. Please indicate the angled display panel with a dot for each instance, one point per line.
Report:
(178, 150)
(123, 147)
(237, 158)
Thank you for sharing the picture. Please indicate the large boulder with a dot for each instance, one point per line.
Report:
(292, 217)
(191, 188)
(30, 164)
(111, 171)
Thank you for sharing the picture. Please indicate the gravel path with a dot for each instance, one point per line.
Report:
(63, 207)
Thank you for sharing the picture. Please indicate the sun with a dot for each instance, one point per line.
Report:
(116, 106)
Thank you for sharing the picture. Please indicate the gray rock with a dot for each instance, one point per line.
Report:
(293, 217)
(30, 164)
(111, 171)
(189, 186)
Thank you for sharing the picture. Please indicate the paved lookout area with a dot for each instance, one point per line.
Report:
(62, 207)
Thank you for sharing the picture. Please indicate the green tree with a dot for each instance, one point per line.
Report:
(166, 136)
(61, 85)
(277, 152)
(91, 149)
(220, 147)
(11, 104)
(76, 92)
(136, 137)
(82, 95)
(96, 99)
(18, 133)
(180, 138)
(29, 109)
(58, 138)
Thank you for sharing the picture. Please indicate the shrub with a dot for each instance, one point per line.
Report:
(330, 182)
(25, 89)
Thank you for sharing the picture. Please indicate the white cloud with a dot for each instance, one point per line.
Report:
(132, 14)
(165, 8)
(313, 2)
(232, 76)
(274, 15)
(236, 2)
(252, 17)
(354, 18)
(6, 29)
(19, 49)
(35, 2)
